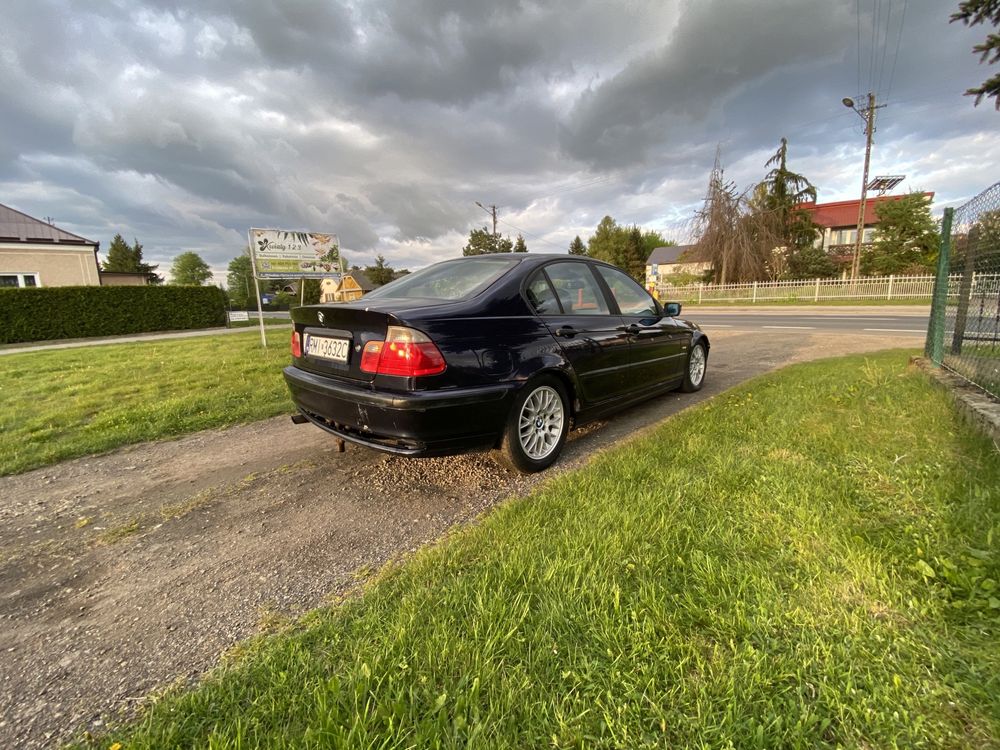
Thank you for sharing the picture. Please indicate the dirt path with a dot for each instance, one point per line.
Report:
(123, 573)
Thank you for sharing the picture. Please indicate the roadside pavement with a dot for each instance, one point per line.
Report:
(76, 343)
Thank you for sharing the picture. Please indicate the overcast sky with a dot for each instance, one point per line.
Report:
(385, 121)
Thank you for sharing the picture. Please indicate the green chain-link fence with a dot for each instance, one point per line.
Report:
(964, 330)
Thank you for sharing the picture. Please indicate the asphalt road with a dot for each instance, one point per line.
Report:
(907, 325)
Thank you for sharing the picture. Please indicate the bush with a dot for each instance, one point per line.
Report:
(46, 313)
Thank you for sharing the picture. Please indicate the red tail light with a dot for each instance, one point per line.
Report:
(404, 352)
(296, 344)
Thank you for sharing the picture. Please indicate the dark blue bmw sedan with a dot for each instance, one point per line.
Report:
(494, 351)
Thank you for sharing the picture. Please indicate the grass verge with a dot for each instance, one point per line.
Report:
(59, 404)
(807, 561)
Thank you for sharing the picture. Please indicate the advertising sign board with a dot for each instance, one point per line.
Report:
(283, 254)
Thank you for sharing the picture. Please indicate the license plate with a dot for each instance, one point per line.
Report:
(333, 349)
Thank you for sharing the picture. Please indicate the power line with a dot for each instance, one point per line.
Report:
(885, 43)
(871, 53)
(895, 57)
(591, 183)
(858, 16)
(530, 234)
(492, 211)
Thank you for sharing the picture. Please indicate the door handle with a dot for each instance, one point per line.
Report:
(567, 331)
(633, 328)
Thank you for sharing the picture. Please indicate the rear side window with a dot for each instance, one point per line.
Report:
(451, 280)
(577, 289)
(540, 295)
(631, 298)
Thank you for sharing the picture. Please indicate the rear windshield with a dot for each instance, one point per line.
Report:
(451, 280)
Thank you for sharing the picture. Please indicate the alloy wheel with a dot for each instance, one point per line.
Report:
(540, 424)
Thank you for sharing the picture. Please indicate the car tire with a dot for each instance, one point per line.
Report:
(695, 368)
(537, 426)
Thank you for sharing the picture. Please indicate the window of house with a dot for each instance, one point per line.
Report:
(19, 279)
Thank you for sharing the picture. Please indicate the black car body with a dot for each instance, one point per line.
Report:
(470, 346)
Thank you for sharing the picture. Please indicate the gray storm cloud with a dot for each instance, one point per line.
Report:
(384, 121)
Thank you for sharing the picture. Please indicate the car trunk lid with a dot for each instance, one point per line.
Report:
(333, 337)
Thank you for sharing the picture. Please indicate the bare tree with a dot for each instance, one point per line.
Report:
(729, 234)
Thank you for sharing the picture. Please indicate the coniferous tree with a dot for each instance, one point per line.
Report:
(120, 259)
(972, 12)
(576, 247)
(519, 246)
(608, 243)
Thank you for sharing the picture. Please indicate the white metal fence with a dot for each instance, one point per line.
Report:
(813, 290)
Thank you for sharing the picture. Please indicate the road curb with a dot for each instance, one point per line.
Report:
(978, 409)
(912, 311)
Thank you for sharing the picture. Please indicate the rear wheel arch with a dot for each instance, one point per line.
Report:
(534, 445)
(567, 382)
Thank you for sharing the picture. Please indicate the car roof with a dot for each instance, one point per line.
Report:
(535, 258)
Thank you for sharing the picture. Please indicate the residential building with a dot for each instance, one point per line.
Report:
(36, 253)
(838, 222)
(352, 285)
(672, 260)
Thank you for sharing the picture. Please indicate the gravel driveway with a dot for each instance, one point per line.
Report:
(124, 573)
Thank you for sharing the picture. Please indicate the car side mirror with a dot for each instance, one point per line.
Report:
(672, 309)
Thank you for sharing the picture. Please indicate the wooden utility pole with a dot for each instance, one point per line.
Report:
(868, 114)
(492, 211)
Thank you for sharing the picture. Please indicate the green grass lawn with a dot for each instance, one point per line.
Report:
(810, 560)
(72, 402)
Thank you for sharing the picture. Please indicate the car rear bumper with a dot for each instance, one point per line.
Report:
(417, 423)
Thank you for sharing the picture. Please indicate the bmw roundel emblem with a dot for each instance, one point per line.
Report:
(320, 316)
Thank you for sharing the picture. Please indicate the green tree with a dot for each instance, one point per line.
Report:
(240, 281)
(810, 262)
(906, 238)
(189, 269)
(971, 13)
(576, 247)
(313, 288)
(783, 224)
(381, 273)
(120, 258)
(125, 259)
(609, 242)
(634, 262)
(651, 239)
(482, 242)
(146, 268)
(519, 245)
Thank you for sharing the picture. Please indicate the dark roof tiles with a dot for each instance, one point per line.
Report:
(19, 227)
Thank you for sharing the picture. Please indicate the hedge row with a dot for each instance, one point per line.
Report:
(72, 312)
